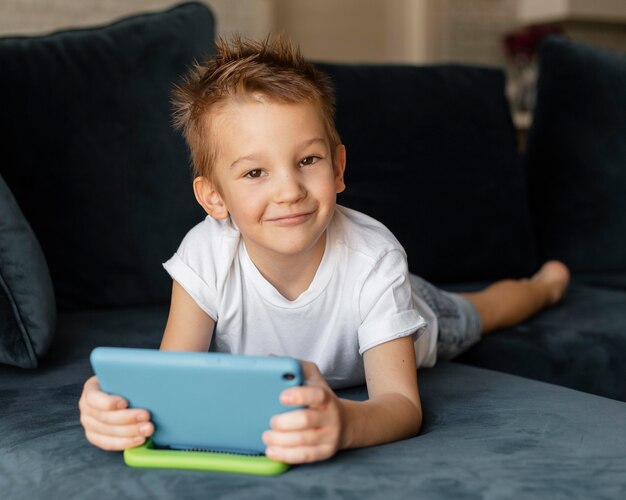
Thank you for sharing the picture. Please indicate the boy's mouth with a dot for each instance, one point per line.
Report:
(291, 219)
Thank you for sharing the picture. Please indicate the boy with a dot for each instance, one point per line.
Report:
(278, 268)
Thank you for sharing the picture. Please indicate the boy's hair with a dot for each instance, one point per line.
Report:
(272, 67)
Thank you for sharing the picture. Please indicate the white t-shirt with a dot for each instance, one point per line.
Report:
(359, 298)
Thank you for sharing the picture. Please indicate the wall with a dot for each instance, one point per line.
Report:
(351, 30)
(410, 31)
(405, 31)
(472, 30)
(253, 18)
(423, 31)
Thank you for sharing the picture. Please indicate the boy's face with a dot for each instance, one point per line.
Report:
(274, 174)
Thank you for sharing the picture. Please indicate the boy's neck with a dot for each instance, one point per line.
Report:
(291, 275)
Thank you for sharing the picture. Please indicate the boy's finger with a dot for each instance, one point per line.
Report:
(95, 398)
(120, 417)
(309, 437)
(297, 420)
(309, 395)
(311, 371)
(115, 417)
(91, 384)
(130, 430)
(299, 455)
(113, 443)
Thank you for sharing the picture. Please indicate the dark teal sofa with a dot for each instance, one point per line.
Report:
(95, 192)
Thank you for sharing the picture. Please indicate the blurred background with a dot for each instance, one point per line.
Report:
(503, 33)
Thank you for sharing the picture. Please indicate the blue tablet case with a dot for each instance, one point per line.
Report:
(206, 401)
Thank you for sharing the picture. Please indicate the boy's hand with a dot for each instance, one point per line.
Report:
(309, 434)
(108, 422)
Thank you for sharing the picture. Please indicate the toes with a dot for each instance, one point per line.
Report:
(556, 275)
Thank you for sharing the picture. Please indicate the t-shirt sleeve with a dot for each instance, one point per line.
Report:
(386, 304)
(193, 267)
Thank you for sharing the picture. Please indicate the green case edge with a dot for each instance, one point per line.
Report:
(147, 456)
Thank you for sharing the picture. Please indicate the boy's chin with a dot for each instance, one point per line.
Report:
(292, 248)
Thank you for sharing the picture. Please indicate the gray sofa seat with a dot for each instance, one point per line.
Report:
(579, 343)
(485, 435)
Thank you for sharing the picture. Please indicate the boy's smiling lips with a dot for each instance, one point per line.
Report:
(290, 219)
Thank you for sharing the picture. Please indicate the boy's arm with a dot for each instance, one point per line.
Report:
(393, 411)
(188, 327)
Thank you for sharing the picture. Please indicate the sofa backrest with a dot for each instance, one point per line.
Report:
(432, 154)
(576, 159)
(89, 152)
(92, 159)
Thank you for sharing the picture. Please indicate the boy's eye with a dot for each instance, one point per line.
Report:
(309, 160)
(254, 174)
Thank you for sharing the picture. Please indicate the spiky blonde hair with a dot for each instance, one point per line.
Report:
(272, 67)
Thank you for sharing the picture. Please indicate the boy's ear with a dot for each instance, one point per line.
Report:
(339, 165)
(209, 198)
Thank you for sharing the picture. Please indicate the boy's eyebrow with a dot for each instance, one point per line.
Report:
(302, 145)
(308, 142)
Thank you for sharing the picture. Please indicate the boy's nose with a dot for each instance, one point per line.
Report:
(289, 188)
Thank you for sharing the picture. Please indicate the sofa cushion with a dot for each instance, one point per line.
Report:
(27, 306)
(577, 156)
(579, 343)
(432, 154)
(90, 154)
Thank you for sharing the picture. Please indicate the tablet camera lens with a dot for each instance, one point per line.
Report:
(288, 376)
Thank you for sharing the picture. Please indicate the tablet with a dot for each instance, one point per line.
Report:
(200, 401)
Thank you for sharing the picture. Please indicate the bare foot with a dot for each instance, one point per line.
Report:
(554, 275)
(508, 302)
